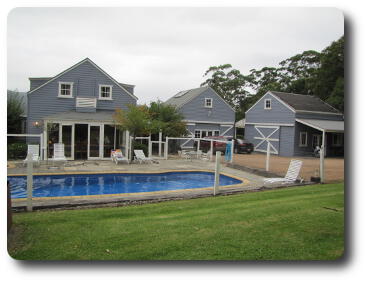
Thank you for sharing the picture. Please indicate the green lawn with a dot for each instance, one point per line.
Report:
(301, 223)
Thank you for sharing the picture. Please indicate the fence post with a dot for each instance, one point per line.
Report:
(217, 172)
(150, 147)
(160, 144)
(211, 150)
(267, 156)
(322, 156)
(29, 182)
(166, 149)
(197, 149)
(232, 150)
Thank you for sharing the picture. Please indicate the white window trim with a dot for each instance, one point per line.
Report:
(211, 102)
(267, 108)
(99, 92)
(71, 90)
(300, 139)
(339, 142)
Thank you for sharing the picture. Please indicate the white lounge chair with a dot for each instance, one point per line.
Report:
(140, 156)
(291, 176)
(59, 152)
(117, 156)
(206, 156)
(33, 150)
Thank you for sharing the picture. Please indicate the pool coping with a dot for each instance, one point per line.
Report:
(244, 182)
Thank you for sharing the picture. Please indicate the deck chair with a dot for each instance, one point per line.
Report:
(117, 156)
(291, 176)
(33, 153)
(206, 156)
(59, 152)
(140, 156)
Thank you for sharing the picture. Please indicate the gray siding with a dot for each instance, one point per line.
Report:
(37, 82)
(278, 114)
(285, 135)
(307, 150)
(195, 110)
(86, 78)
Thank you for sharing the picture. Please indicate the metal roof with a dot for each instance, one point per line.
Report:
(182, 97)
(99, 116)
(323, 125)
(302, 102)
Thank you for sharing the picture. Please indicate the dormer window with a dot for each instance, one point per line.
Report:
(267, 104)
(105, 92)
(208, 103)
(65, 90)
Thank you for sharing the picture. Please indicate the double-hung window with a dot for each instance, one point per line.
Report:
(197, 134)
(65, 90)
(267, 104)
(105, 92)
(303, 139)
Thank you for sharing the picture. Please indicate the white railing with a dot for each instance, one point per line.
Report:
(86, 102)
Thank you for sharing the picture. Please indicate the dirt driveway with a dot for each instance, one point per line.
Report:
(334, 167)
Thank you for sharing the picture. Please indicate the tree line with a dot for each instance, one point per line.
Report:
(310, 73)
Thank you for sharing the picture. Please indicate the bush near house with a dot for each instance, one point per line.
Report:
(17, 150)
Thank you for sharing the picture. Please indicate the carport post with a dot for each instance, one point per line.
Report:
(322, 155)
(217, 172)
(29, 182)
(267, 156)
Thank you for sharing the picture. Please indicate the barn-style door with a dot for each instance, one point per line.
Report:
(267, 134)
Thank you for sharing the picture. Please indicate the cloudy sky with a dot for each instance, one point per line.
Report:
(161, 50)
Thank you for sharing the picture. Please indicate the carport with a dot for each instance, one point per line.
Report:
(325, 126)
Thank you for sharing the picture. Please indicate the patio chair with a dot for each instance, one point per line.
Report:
(291, 176)
(59, 153)
(140, 156)
(206, 156)
(117, 156)
(33, 153)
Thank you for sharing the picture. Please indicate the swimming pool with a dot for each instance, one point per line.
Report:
(114, 183)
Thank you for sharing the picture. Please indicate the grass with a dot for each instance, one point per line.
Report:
(301, 223)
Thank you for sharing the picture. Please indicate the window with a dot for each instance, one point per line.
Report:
(216, 133)
(303, 139)
(197, 134)
(267, 104)
(65, 89)
(316, 141)
(208, 102)
(105, 92)
(337, 139)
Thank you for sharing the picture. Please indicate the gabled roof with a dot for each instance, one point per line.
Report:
(305, 103)
(183, 97)
(76, 65)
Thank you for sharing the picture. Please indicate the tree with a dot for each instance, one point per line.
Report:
(14, 112)
(135, 119)
(167, 119)
(230, 84)
(329, 80)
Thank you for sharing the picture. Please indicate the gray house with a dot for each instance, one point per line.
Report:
(75, 107)
(294, 124)
(206, 113)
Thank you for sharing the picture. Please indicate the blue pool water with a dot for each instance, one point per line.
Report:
(100, 184)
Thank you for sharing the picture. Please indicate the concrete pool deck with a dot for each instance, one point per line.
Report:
(251, 182)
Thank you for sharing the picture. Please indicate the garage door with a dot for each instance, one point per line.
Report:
(265, 134)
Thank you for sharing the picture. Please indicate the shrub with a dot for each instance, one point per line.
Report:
(144, 147)
(17, 151)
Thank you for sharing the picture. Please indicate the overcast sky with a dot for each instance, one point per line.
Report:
(161, 50)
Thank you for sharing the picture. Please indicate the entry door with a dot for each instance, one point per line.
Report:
(94, 141)
(67, 138)
(316, 140)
